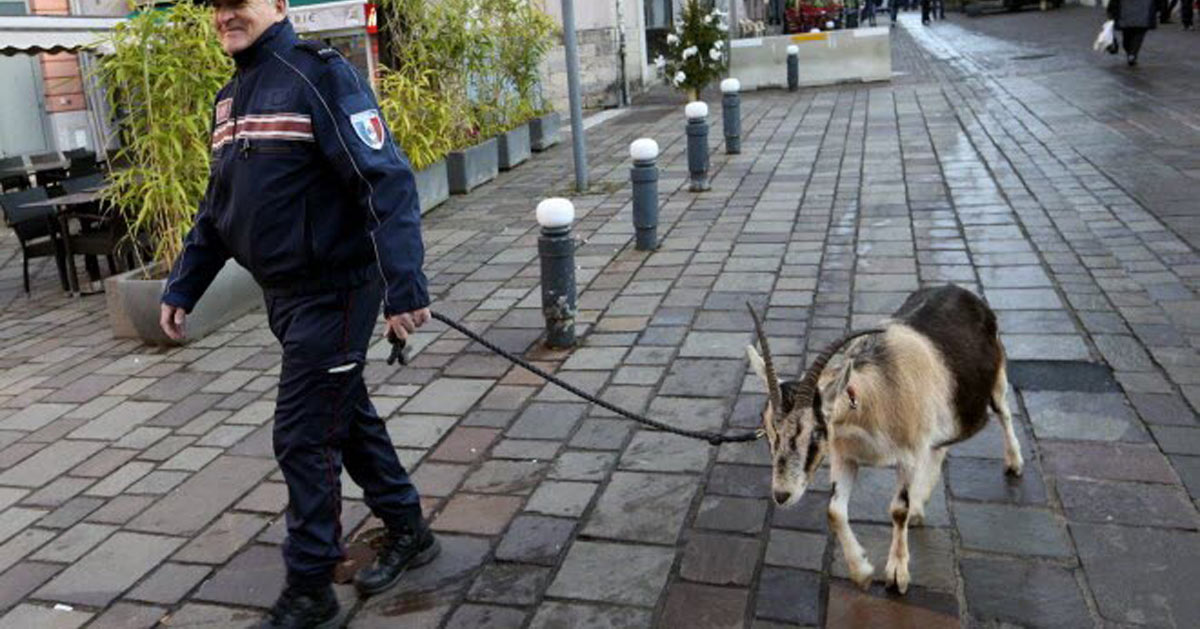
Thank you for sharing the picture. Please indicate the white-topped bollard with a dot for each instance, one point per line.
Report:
(793, 67)
(731, 114)
(557, 251)
(697, 145)
(644, 177)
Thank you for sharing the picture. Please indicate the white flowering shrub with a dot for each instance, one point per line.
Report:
(696, 54)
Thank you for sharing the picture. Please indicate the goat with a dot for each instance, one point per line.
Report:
(899, 396)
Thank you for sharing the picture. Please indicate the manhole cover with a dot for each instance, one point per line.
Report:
(1061, 375)
(1031, 57)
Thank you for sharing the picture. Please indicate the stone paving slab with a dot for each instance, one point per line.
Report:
(1059, 189)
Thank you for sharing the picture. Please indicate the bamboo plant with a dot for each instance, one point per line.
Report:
(164, 70)
(461, 71)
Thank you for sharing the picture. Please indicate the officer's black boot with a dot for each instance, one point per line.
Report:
(303, 607)
(409, 547)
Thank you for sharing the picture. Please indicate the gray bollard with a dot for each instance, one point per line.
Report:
(557, 251)
(697, 145)
(644, 176)
(731, 110)
(793, 67)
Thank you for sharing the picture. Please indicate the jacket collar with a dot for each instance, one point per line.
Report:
(278, 37)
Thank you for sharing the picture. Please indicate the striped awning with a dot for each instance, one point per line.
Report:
(33, 34)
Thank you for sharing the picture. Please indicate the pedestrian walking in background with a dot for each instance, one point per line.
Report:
(926, 9)
(1165, 8)
(1186, 11)
(309, 193)
(1133, 18)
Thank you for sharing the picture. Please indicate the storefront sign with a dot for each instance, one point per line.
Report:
(329, 17)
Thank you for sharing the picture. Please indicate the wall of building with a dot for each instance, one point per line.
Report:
(599, 50)
(110, 8)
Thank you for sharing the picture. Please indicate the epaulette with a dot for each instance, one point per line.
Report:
(322, 50)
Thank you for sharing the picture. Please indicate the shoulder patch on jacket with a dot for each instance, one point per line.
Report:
(322, 50)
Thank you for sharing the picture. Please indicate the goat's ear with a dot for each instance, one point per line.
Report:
(834, 388)
(757, 363)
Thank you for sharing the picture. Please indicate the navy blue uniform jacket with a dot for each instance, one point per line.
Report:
(306, 189)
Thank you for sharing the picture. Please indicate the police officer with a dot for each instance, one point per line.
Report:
(308, 192)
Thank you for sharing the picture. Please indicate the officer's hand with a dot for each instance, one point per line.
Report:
(171, 319)
(405, 323)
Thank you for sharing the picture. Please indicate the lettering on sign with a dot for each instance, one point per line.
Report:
(328, 18)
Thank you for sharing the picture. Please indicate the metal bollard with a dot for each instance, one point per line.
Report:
(644, 176)
(557, 251)
(793, 67)
(697, 145)
(731, 109)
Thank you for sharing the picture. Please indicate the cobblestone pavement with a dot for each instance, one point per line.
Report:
(137, 485)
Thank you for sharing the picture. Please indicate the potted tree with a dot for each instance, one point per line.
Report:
(161, 76)
(441, 44)
(520, 37)
(423, 92)
(544, 129)
(696, 54)
(422, 123)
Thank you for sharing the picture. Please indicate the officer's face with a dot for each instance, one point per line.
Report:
(239, 23)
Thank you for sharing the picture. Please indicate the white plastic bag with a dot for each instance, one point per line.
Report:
(1105, 38)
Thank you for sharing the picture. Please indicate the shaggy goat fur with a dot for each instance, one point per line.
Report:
(898, 395)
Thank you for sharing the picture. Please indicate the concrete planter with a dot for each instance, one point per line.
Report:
(514, 147)
(543, 131)
(433, 185)
(854, 55)
(473, 167)
(133, 304)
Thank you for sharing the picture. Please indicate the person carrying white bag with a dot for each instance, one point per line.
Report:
(1133, 18)
(1105, 39)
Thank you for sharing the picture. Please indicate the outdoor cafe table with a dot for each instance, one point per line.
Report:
(33, 169)
(63, 211)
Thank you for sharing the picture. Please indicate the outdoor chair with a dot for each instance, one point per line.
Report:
(82, 184)
(51, 176)
(80, 163)
(16, 178)
(36, 229)
(101, 230)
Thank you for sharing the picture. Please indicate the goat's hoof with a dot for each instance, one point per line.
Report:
(897, 576)
(862, 576)
(915, 518)
(1014, 469)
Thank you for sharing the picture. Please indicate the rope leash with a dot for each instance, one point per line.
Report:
(716, 439)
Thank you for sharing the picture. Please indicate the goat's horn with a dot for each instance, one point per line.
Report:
(773, 391)
(808, 384)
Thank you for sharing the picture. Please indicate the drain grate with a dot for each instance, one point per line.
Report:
(1061, 375)
(1044, 55)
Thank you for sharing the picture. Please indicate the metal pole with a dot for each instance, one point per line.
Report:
(577, 145)
(557, 251)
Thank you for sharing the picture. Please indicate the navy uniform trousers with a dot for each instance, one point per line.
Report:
(324, 420)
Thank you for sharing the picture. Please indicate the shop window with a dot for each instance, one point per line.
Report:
(353, 47)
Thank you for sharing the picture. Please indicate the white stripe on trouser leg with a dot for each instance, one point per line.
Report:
(343, 368)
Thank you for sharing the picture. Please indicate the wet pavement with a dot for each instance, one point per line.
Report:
(137, 485)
